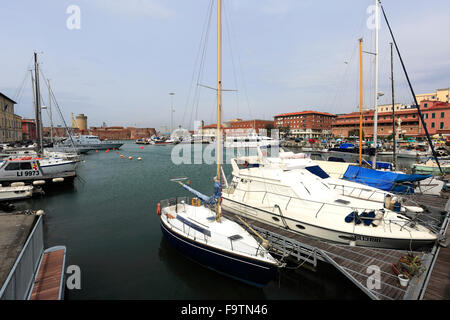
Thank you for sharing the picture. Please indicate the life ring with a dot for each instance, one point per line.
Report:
(158, 209)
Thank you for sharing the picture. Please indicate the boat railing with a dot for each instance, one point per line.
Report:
(350, 189)
(20, 278)
(234, 244)
(403, 222)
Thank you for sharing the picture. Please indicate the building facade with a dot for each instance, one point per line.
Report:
(29, 130)
(436, 115)
(407, 123)
(243, 128)
(10, 123)
(442, 95)
(305, 124)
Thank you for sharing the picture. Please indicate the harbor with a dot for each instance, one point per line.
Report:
(113, 234)
(344, 199)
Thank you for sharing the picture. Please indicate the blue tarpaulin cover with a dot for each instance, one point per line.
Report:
(346, 145)
(384, 180)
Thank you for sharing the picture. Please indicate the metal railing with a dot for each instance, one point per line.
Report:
(22, 274)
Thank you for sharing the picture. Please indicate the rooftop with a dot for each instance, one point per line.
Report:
(304, 112)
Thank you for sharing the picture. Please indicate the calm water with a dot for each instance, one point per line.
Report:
(109, 225)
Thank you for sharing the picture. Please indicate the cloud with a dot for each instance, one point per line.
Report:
(137, 8)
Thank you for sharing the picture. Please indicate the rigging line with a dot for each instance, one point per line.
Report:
(19, 91)
(244, 85)
(52, 96)
(228, 33)
(197, 59)
(196, 99)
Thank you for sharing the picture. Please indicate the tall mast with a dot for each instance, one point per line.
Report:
(219, 103)
(37, 105)
(50, 110)
(375, 115)
(394, 133)
(360, 100)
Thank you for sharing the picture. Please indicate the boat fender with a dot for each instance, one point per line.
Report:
(158, 209)
(40, 212)
(57, 179)
(387, 201)
(367, 217)
(17, 184)
(353, 216)
(38, 182)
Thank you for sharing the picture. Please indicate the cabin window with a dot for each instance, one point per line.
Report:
(300, 226)
(25, 166)
(13, 166)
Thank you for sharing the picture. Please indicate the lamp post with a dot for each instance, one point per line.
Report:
(171, 112)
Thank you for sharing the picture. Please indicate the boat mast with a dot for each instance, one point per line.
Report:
(219, 104)
(412, 92)
(37, 106)
(394, 133)
(50, 110)
(375, 115)
(360, 100)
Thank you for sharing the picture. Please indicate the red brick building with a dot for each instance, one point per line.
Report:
(407, 120)
(436, 115)
(242, 128)
(29, 129)
(121, 133)
(306, 124)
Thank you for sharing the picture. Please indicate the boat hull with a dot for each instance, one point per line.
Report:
(302, 228)
(250, 271)
(15, 195)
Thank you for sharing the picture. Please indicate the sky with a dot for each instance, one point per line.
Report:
(279, 56)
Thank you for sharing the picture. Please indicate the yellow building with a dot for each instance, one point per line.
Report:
(10, 123)
(439, 95)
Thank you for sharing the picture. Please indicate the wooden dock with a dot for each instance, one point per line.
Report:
(358, 263)
(49, 283)
(438, 286)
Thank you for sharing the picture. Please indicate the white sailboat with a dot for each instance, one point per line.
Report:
(199, 230)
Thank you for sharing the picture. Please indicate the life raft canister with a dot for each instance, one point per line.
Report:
(158, 209)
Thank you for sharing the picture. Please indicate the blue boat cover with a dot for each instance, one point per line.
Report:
(346, 145)
(384, 180)
(381, 165)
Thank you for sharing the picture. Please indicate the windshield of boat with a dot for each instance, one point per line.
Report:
(316, 170)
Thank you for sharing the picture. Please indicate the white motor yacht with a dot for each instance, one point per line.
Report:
(298, 195)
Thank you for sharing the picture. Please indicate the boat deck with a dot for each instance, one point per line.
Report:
(358, 263)
(48, 284)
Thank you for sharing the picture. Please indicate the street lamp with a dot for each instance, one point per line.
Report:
(171, 112)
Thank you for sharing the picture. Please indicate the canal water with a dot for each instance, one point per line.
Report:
(108, 223)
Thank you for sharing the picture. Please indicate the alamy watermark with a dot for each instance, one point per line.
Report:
(73, 22)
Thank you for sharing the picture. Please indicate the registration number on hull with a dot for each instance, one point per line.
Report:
(27, 173)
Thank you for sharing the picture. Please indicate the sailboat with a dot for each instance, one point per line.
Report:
(36, 167)
(200, 232)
